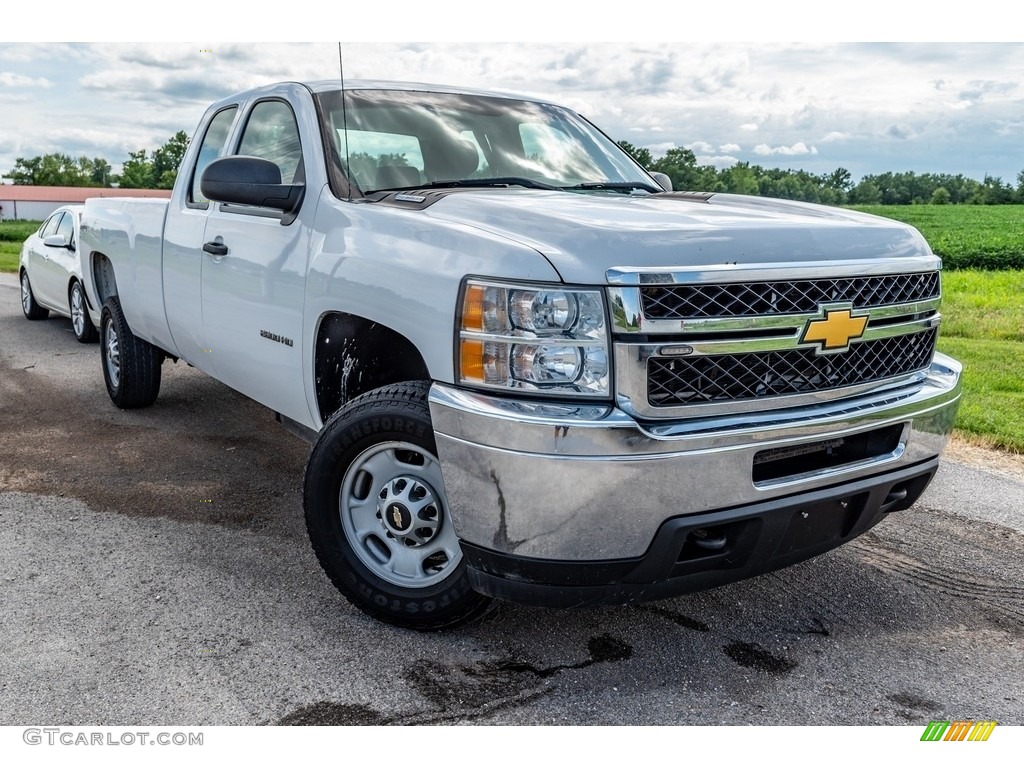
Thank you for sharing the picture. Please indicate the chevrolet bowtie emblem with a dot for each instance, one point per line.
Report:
(835, 331)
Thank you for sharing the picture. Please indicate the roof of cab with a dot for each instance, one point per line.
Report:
(322, 86)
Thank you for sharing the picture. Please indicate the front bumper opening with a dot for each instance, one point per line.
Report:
(793, 461)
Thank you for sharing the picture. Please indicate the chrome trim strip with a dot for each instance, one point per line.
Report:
(790, 341)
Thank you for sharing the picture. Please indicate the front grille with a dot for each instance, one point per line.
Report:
(714, 378)
(672, 302)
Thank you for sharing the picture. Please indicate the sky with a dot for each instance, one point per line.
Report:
(868, 107)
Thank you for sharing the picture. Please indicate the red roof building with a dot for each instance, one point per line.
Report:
(22, 201)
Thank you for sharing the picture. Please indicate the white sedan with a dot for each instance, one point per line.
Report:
(51, 273)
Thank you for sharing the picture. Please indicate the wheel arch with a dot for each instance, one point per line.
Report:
(103, 279)
(353, 355)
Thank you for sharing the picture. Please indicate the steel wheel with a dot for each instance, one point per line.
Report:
(111, 353)
(378, 517)
(131, 366)
(393, 511)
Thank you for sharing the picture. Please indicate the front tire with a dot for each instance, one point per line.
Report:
(378, 517)
(85, 331)
(131, 366)
(29, 305)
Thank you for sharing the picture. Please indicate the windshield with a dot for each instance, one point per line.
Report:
(414, 139)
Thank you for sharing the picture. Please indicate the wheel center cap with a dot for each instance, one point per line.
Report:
(397, 518)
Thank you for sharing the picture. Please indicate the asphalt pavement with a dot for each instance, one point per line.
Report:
(154, 569)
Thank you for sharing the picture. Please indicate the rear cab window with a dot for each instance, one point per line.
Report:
(214, 145)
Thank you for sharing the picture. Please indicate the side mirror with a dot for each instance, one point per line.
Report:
(56, 241)
(663, 180)
(250, 181)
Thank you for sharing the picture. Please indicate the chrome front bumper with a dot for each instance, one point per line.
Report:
(577, 483)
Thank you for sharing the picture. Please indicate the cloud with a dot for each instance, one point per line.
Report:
(661, 147)
(900, 131)
(796, 149)
(719, 161)
(748, 127)
(12, 80)
(978, 89)
(729, 148)
(835, 136)
(700, 147)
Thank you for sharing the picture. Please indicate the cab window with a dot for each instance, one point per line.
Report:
(213, 146)
(271, 133)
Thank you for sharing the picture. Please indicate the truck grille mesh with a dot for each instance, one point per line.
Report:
(712, 378)
(670, 302)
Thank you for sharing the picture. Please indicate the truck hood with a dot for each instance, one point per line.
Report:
(585, 234)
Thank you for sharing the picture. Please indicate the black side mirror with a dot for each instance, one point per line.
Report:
(250, 181)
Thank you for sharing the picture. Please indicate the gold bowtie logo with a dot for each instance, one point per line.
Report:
(396, 517)
(835, 331)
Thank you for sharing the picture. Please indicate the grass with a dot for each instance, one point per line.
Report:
(983, 328)
(965, 236)
(12, 235)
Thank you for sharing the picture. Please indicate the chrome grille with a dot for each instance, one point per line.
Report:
(673, 381)
(669, 302)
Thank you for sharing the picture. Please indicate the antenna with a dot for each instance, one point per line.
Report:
(344, 124)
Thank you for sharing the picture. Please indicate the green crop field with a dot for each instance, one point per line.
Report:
(965, 236)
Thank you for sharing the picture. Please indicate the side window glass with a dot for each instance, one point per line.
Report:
(67, 228)
(213, 146)
(50, 227)
(272, 134)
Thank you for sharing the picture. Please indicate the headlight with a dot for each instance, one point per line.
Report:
(540, 338)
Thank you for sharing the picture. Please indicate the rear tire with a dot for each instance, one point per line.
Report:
(378, 517)
(29, 305)
(131, 366)
(85, 331)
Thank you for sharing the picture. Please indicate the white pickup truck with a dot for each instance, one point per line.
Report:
(528, 370)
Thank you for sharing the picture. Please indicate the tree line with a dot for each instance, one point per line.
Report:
(835, 188)
(159, 168)
(155, 170)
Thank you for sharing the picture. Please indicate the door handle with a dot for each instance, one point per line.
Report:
(215, 249)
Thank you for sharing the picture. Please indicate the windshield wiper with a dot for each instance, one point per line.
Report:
(615, 185)
(501, 181)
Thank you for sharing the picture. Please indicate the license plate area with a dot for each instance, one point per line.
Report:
(812, 525)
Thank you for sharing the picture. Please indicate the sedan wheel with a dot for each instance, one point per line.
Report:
(29, 305)
(85, 331)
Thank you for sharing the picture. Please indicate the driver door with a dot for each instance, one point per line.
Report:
(254, 275)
